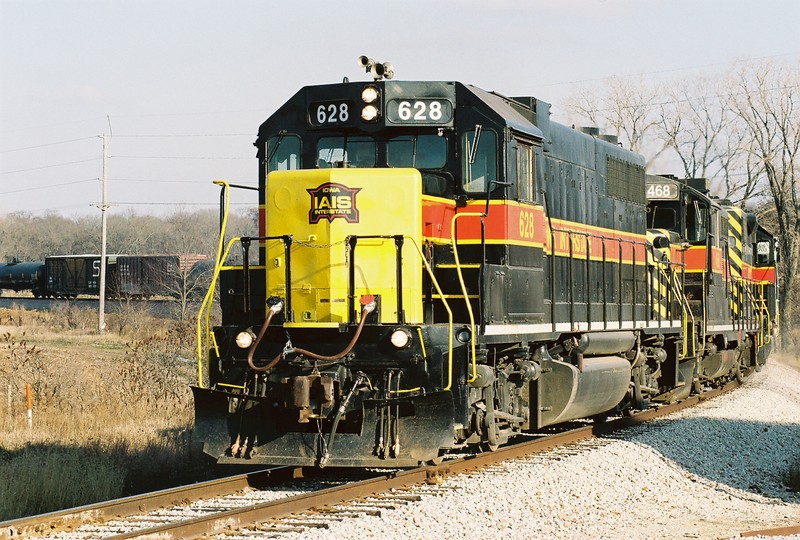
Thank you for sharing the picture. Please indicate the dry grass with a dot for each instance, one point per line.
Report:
(112, 413)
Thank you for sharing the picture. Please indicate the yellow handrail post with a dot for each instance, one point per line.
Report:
(210, 293)
(464, 287)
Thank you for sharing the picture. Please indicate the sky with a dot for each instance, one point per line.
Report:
(180, 87)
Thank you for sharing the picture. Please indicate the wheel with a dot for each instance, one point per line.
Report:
(435, 461)
(486, 447)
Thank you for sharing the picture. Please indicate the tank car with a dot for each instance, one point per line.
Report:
(23, 276)
(439, 266)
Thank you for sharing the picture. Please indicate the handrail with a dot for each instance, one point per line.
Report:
(205, 308)
(205, 312)
(225, 196)
(464, 287)
(687, 314)
(589, 236)
(761, 306)
(446, 307)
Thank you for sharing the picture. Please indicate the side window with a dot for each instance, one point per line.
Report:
(526, 184)
(763, 250)
(481, 146)
(283, 153)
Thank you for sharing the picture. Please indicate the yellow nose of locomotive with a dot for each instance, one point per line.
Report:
(348, 227)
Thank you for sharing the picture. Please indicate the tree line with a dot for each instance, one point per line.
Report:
(741, 130)
(26, 237)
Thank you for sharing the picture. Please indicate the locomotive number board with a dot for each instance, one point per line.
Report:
(426, 111)
(663, 190)
(331, 113)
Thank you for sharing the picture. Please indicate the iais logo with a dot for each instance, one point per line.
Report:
(330, 201)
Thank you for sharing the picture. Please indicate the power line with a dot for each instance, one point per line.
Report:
(214, 204)
(180, 157)
(673, 70)
(167, 181)
(176, 135)
(51, 125)
(689, 99)
(50, 186)
(45, 145)
(51, 166)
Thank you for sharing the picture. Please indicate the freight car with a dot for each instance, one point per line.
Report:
(22, 276)
(144, 276)
(440, 266)
(67, 276)
(128, 276)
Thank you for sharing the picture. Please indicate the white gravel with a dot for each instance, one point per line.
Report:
(711, 472)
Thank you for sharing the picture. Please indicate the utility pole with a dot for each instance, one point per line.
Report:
(101, 322)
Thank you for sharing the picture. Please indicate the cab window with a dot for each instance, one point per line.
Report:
(353, 151)
(418, 151)
(526, 184)
(479, 148)
(696, 222)
(283, 153)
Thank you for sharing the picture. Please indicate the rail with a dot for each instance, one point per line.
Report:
(229, 520)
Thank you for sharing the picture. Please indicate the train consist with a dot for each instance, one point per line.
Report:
(135, 276)
(440, 266)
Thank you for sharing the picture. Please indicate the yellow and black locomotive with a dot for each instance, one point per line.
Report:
(440, 266)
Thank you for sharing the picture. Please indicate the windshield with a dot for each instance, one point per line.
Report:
(354, 151)
(418, 151)
(283, 153)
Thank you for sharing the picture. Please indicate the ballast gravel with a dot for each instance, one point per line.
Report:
(710, 472)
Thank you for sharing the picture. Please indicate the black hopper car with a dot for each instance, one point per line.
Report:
(127, 276)
(440, 266)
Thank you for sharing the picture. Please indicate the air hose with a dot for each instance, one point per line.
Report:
(366, 310)
(360, 377)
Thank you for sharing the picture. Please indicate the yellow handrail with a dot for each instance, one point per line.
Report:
(210, 293)
(206, 307)
(685, 309)
(446, 307)
(464, 287)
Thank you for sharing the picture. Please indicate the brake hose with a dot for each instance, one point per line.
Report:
(367, 309)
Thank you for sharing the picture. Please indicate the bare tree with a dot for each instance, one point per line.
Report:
(692, 122)
(624, 108)
(766, 98)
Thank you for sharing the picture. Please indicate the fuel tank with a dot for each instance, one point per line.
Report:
(566, 391)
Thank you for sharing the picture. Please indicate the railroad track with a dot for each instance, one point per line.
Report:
(299, 511)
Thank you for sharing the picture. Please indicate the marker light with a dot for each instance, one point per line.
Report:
(369, 113)
(369, 94)
(244, 339)
(401, 338)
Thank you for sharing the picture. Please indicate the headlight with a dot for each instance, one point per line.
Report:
(244, 339)
(369, 113)
(401, 338)
(464, 335)
(369, 94)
